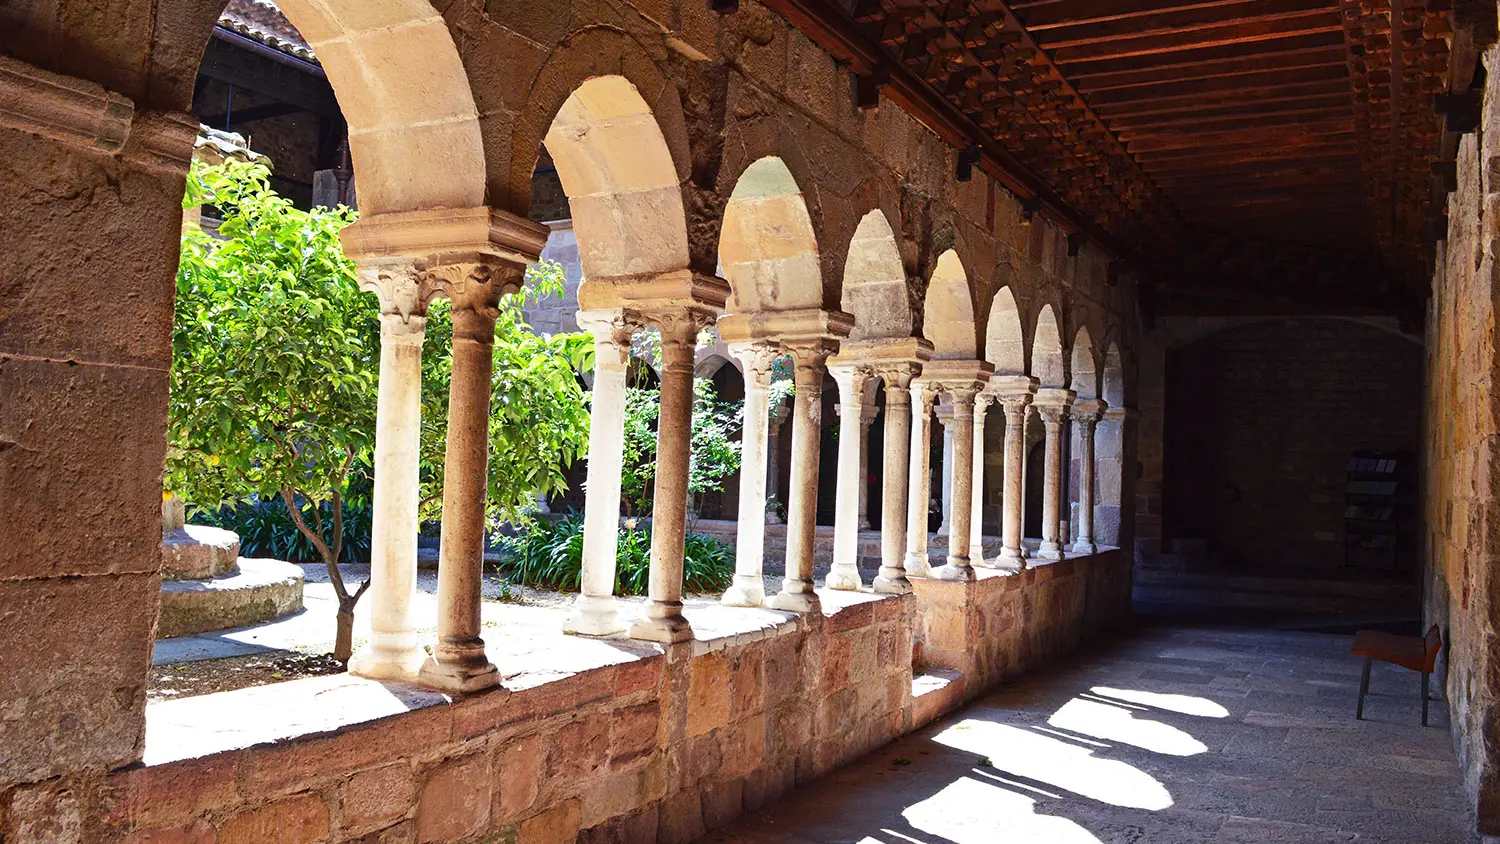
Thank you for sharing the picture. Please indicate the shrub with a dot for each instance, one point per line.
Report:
(549, 555)
(267, 530)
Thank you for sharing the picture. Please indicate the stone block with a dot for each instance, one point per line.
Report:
(557, 825)
(315, 759)
(850, 617)
(519, 762)
(784, 669)
(749, 683)
(455, 799)
(47, 813)
(170, 795)
(196, 832)
(615, 795)
(377, 798)
(198, 551)
(744, 746)
(634, 732)
(641, 826)
(295, 820)
(834, 663)
(722, 803)
(639, 675)
(681, 820)
(708, 693)
(261, 590)
(579, 749)
(84, 704)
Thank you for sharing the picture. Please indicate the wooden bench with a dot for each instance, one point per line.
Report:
(1415, 652)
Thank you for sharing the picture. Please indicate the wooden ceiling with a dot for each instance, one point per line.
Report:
(1173, 127)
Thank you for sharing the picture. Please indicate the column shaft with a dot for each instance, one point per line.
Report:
(1052, 418)
(749, 587)
(662, 619)
(945, 526)
(797, 588)
(1087, 416)
(919, 487)
(844, 573)
(893, 527)
(596, 612)
(976, 519)
(1014, 496)
(960, 479)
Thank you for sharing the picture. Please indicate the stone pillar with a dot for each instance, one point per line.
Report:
(960, 479)
(393, 652)
(919, 487)
(851, 378)
(866, 418)
(801, 513)
(1086, 413)
(662, 619)
(773, 461)
(1015, 392)
(896, 468)
(982, 402)
(749, 587)
(596, 612)
(1052, 405)
(458, 662)
(945, 418)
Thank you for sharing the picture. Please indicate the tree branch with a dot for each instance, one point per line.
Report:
(288, 496)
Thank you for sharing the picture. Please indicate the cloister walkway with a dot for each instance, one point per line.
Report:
(1166, 736)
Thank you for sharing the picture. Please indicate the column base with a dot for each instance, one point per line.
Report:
(1081, 548)
(1012, 558)
(976, 556)
(746, 591)
(461, 677)
(595, 615)
(954, 571)
(845, 578)
(802, 602)
(662, 622)
(388, 661)
(917, 566)
(1051, 552)
(891, 582)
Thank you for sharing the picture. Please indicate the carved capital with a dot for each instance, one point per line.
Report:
(897, 376)
(924, 394)
(757, 358)
(613, 332)
(809, 356)
(1088, 412)
(1015, 407)
(1052, 416)
(404, 292)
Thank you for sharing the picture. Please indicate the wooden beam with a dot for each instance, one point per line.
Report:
(1290, 45)
(1181, 72)
(1237, 85)
(1050, 14)
(1336, 103)
(1189, 22)
(1284, 93)
(1219, 36)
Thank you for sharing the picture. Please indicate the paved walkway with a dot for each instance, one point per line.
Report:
(1169, 736)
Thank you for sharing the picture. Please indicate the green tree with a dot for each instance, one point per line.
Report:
(275, 356)
(714, 454)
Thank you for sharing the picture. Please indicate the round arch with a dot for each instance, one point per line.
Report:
(768, 250)
(1085, 372)
(948, 313)
(1004, 344)
(622, 186)
(874, 289)
(1048, 365)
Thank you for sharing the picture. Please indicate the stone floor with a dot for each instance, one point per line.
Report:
(1166, 736)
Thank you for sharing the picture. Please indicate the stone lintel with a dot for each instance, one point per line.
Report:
(785, 327)
(1088, 407)
(1120, 414)
(442, 236)
(1054, 397)
(655, 292)
(952, 375)
(1013, 385)
(882, 352)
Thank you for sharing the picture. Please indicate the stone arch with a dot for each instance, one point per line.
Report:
(768, 250)
(413, 127)
(1084, 371)
(1004, 344)
(874, 289)
(622, 185)
(948, 313)
(1114, 376)
(710, 365)
(1048, 364)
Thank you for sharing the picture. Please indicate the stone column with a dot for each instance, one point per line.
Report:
(393, 652)
(945, 418)
(1052, 405)
(801, 513)
(893, 527)
(982, 402)
(749, 587)
(960, 479)
(596, 612)
(1086, 413)
(919, 487)
(866, 418)
(1013, 502)
(662, 619)
(458, 662)
(773, 462)
(851, 378)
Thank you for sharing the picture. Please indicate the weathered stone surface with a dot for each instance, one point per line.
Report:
(455, 799)
(377, 798)
(296, 820)
(260, 590)
(194, 552)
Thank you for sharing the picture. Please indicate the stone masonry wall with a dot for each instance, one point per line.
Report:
(1462, 507)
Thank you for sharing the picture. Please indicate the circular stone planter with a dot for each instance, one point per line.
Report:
(260, 590)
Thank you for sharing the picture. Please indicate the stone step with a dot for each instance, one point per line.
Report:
(197, 551)
(259, 590)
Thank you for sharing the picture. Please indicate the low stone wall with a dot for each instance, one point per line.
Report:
(658, 745)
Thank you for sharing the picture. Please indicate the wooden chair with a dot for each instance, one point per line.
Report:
(1414, 652)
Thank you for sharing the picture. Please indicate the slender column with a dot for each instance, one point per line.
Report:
(1086, 413)
(960, 479)
(945, 418)
(920, 483)
(797, 588)
(662, 619)
(773, 463)
(1054, 411)
(866, 418)
(596, 612)
(1014, 497)
(749, 587)
(393, 651)
(458, 662)
(892, 577)
(844, 573)
(982, 402)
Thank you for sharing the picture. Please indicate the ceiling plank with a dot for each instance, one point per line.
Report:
(1184, 22)
(1219, 36)
(1290, 60)
(1235, 85)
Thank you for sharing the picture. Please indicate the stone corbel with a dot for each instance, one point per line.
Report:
(672, 291)
(446, 236)
(1052, 403)
(808, 327)
(1087, 411)
(1120, 414)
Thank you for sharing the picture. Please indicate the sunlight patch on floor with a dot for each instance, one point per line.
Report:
(1113, 723)
(1183, 704)
(973, 812)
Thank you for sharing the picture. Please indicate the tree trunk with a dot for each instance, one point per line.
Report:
(343, 646)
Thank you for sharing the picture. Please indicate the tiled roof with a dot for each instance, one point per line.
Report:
(261, 21)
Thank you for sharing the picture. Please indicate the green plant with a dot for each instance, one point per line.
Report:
(266, 529)
(713, 455)
(548, 554)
